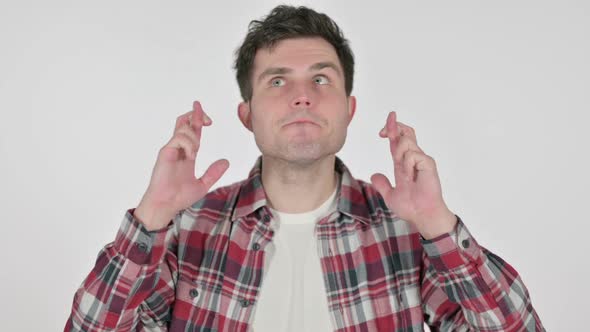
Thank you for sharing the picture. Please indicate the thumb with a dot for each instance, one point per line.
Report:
(382, 184)
(213, 173)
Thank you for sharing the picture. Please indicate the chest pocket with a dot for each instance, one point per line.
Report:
(202, 306)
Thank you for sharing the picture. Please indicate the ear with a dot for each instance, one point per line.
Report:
(351, 107)
(245, 115)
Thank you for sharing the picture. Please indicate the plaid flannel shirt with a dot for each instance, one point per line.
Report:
(203, 272)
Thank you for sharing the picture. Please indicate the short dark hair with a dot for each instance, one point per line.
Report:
(284, 22)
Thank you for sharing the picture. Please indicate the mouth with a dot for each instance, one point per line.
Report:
(301, 121)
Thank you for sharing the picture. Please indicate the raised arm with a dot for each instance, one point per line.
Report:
(132, 284)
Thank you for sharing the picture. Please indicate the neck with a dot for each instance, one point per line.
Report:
(296, 188)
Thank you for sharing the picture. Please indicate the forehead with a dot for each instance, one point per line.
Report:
(295, 52)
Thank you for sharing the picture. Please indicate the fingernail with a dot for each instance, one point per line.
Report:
(207, 118)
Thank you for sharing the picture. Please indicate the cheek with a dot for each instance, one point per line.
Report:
(263, 124)
(341, 120)
(340, 110)
(342, 124)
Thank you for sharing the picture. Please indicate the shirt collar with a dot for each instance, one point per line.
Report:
(350, 197)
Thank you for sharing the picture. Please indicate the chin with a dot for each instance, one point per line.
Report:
(302, 154)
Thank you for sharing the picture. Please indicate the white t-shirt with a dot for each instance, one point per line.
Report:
(293, 295)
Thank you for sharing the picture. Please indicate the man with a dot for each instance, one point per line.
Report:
(299, 245)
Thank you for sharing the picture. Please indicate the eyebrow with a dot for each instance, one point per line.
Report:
(284, 70)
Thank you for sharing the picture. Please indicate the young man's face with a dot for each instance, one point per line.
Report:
(299, 111)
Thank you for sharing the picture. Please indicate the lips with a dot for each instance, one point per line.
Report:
(301, 121)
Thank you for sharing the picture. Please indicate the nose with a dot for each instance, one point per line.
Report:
(301, 99)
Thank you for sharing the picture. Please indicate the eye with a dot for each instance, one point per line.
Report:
(321, 79)
(277, 82)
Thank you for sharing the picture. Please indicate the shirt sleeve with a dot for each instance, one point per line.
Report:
(132, 284)
(465, 287)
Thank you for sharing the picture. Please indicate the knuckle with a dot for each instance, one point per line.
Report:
(187, 133)
(179, 135)
(173, 142)
(187, 144)
(179, 139)
(186, 130)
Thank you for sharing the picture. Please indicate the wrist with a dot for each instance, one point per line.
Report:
(152, 217)
(437, 224)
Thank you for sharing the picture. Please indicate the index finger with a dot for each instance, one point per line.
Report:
(182, 120)
(407, 131)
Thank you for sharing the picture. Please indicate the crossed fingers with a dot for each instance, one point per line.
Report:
(188, 129)
(402, 138)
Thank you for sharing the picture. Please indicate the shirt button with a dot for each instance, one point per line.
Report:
(142, 246)
(465, 243)
(245, 303)
(256, 246)
(194, 292)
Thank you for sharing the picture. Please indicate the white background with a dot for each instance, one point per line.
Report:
(498, 93)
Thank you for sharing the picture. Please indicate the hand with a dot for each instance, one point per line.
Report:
(417, 197)
(173, 185)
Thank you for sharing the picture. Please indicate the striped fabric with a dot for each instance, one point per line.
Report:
(203, 272)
